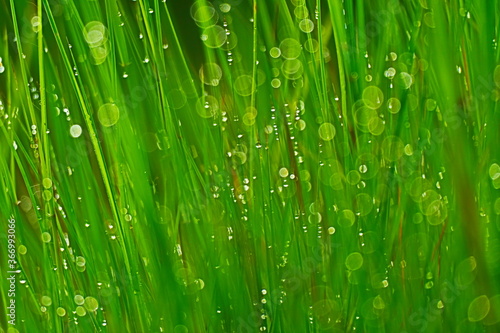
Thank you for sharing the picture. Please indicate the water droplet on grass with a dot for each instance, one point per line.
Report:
(466, 272)
(79, 300)
(326, 131)
(46, 301)
(301, 12)
(239, 158)
(47, 183)
(75, 131)
(354, 261)
(336, 181)
(362, 117)
(225, 7)
(204, 15)
(290, 48)
(244, 85)
(292, 69)
(301, 125)
(353, 177)
(393, 105)
(35, 23)
(368, 165)
(311, 45)
(439, 212)
(108, 114)
(80, 311)
(275, 52)
(249, 119)
(22, 249)
(80, 261)
(283, 172)
(315, 218)
(430, 104)
(430, 202)
(494, 171)
(376, 126)
(95, 33)
(214, 36)
(364, 204)
(91, 303)
(46, 237)
(99, 54)
(478, 308)
(61, 312)
(47, 195)
(390, 73)
(306, 25)
(346, 218)
(404, 80)
(373, 97)
(210, 74)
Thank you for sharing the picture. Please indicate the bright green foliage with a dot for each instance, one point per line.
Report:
(250, 165)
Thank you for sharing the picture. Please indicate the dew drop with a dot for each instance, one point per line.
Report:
(354, 261)
(75, 131)
(46, 237)
(91, 303)
(478, 308)
(108, 114)
(326, 131)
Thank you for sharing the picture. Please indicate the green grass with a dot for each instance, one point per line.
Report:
(278, 166)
